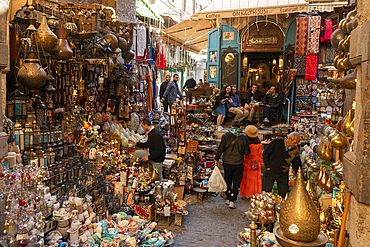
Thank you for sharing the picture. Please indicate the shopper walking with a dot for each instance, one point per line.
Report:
(162, 90)
(252, 182)
(157, 148)
(220, 106)
(172, 91)
(235, 107)
(234, 145)
(277, 158)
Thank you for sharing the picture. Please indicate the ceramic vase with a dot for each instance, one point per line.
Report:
(46, 38)
(62, 51)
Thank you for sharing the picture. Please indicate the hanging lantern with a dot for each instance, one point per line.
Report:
(19, 136)
(45, 136)
(42, 158)
(36, 135)
(33, 160)
(50, 155)
(16, 106)
(28, 136)
(40, 110)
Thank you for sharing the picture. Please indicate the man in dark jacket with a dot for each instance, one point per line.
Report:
(157, 148)
(172, 91)
(271, 101)
(234, 145)
(277, 158)
(190, 83)
(162, 90)
(254, 94)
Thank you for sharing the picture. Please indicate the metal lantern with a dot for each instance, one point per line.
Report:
(28, 136)
(45, 136)
(50, 155)
(36, 135)
(42, 158)
(33, 160)
(40, 109)
(16, 106)
(19, 136)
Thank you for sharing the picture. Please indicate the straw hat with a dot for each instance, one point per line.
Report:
(251, 131)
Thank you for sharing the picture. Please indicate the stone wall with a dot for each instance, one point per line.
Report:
(356, 164)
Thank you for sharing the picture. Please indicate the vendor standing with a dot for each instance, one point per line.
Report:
(162, 90)
(277, 158)
(157, 148)
(172, 91)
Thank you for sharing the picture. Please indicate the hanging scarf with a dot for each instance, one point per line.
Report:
(314, 35)
(311, 67)
(301, 36)
(300, 64)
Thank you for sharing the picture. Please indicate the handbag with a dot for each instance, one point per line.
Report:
(254, 165)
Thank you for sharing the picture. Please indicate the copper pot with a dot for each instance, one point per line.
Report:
(325, 153)
(130, 54)
(62, 50)
(341, 65)
(351, 15)
(333, 134)
(122, 43)
(343, 45)
(349, 81)
(338, 141)
(343, 25)
(351, 130)
(337, 36)
(46, 38)
(112, 40)
(31, 75)
(346, 124)
(336, 60)
(352, 24)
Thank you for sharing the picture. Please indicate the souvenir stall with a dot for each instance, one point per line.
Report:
(76, 96)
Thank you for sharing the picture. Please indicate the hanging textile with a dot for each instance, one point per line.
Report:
(329, 55)
(154, 83)
(322, 54)
(326, 31)
(314, 35)
(311, 67)
(141, 42)
(162, 56)
(149, 80)
(301, 36)
(300, 64)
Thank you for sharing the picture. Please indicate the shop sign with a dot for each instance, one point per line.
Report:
(254, 12)
(229, 67)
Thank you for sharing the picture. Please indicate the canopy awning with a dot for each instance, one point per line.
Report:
(144, 9)
(325, 7)
(245, 8)
(192, 35)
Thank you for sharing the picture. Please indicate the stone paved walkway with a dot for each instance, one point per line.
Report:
(209, 223)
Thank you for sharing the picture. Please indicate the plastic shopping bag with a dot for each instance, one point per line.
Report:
(216, 182)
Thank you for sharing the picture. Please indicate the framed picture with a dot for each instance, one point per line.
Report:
(228, 36)
(213, 57)
(212, 72)
(182, 137)
(111, 105)
(173, 111)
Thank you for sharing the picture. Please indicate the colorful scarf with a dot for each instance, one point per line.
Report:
(300, 64)
(311, 67)
(314, 35)
(301, 36)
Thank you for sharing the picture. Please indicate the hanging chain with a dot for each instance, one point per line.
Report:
(258, 29)
(267, 4)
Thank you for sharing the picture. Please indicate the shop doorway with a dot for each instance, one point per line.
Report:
(262, 55)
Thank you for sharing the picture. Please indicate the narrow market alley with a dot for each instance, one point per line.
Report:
(209, 223)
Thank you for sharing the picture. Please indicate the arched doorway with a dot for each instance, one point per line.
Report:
(262, 46)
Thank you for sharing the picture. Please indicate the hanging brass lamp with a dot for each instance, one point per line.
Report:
(299, 219)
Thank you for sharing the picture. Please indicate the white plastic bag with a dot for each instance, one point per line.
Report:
(217, 182)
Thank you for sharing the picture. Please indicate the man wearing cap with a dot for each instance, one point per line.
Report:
(234, 145)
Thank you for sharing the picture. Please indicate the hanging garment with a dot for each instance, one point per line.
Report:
(149, 80)
(141, 42)
(327, 30)
(329, 55)
(162, 57)
(301, 36)
(154, 82)
(300, 64)
(322, 54)
(314, 35)
(311, 67)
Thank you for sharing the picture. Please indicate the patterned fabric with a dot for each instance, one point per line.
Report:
(326, 31)
(311, 67)
(141, 42)
(301, 36)
(314, 35)
(300, 64)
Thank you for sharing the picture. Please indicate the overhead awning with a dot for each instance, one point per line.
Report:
(245, 8)
(144, 9)
(191, 35)
(325, 7)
